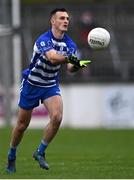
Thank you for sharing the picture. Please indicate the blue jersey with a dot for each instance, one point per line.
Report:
(41, 71)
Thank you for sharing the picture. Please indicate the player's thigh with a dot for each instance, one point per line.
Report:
(54, 106)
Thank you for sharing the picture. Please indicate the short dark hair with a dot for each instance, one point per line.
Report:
(54, 11)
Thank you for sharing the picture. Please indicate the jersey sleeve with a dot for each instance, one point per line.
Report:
(72, 48)
(43, 44)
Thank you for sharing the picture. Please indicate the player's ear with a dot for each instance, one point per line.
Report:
(52, 20)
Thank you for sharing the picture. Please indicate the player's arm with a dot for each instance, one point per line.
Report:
(55, 58)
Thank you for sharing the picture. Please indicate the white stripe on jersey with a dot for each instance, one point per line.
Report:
(38, 79)
(35, 49)
(46, 66)
(45, 74)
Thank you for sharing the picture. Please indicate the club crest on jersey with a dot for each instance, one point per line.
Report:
(42, 43)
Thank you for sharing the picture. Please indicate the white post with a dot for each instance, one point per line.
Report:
(16, 23)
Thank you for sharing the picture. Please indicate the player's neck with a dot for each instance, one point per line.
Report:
(57, 34)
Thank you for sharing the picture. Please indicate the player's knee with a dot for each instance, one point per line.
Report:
(22, 126)
(57, 118)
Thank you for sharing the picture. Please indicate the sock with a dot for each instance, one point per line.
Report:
(42, 147)
(12, 153)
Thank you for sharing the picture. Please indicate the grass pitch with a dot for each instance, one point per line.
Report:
(74, 154)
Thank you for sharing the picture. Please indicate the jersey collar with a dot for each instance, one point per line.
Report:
(59, 40)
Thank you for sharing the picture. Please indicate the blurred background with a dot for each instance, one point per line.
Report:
(101, 95)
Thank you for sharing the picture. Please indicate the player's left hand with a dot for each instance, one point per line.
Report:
(77, 62)
(84, 62)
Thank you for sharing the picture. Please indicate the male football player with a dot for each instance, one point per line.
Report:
(41, 84)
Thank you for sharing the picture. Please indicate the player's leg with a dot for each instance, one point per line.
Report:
(55, 108)
(24, 117)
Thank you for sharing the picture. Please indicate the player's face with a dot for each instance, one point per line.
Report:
(60, 21)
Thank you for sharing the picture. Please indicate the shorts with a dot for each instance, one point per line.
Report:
(31, 96)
